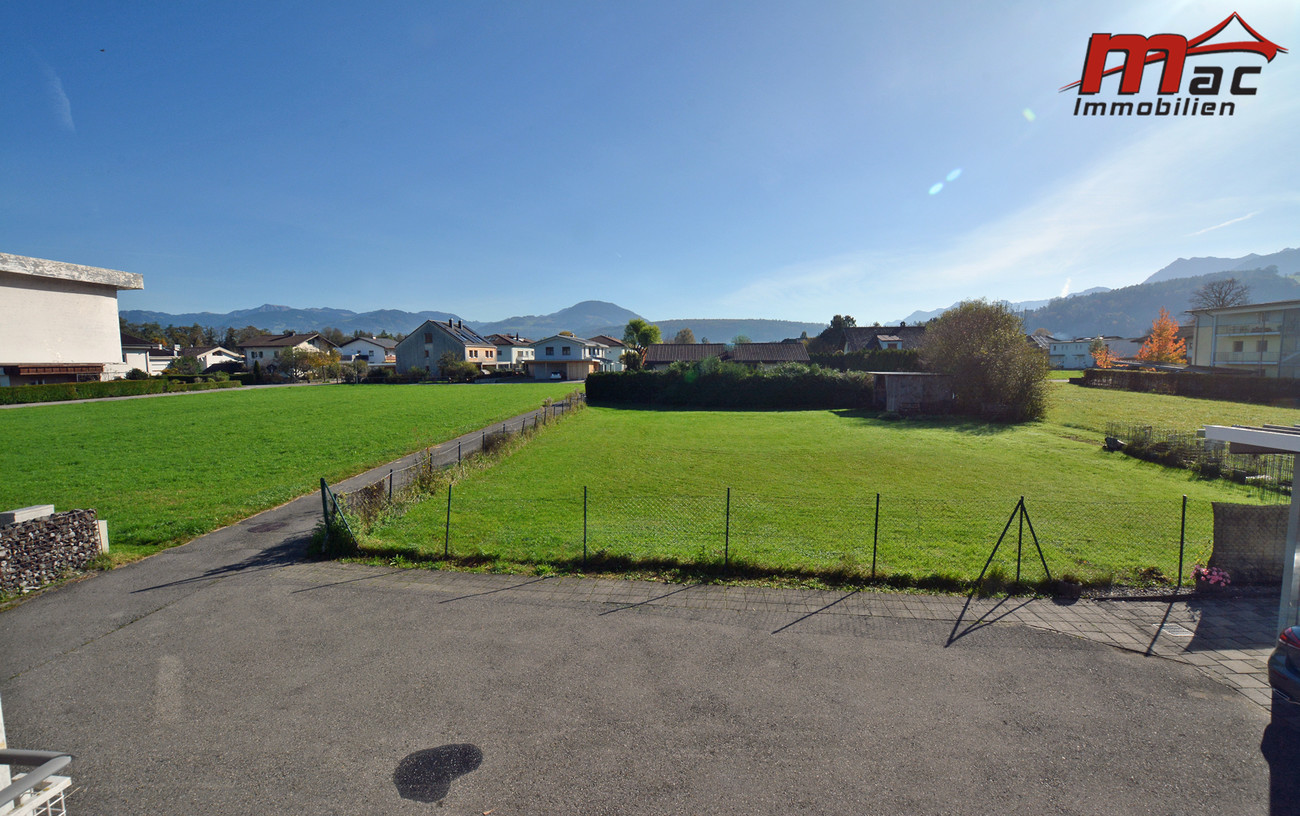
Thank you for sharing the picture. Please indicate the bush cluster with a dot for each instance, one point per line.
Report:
(21, 394)
(714, 384)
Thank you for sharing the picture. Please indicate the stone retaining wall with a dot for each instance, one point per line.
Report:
(34, 553)
(1249, 541)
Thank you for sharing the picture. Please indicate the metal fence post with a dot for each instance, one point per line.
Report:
(726, 541)
(446, 539)
(325, 507)
(1020, 537)
(584, 525)
(1182, 543)
(458, 444)
(875, 537)
(390, 484)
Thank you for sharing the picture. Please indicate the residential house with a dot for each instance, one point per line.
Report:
(512, 352)
(662, 355)
(135, 352)
(1261, 339)
(265, 350)
(209, 356)
(1071, 354)
(421, 349)
(1040, 342)
(377, 351)
(161, 357)
(614, 351)
(59, 321)
(872, 338)
(767, 355)
(564, 357)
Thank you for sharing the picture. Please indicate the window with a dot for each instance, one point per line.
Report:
(426, 352)
(428, 337)
(564, 351)
(550, 351)
(1238, 345)
(473, 352)
(1261, 345)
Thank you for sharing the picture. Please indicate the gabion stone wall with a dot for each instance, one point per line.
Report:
(34, 553)
(1249, 541)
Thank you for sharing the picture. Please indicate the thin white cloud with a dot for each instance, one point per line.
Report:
(58, 99)
(1065, 290)
(1227, 223)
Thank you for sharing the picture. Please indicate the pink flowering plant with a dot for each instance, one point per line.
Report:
(1211, 575)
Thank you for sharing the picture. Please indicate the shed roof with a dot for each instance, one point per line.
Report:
(682, 352)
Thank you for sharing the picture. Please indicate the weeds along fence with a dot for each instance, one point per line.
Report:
(430, 470)
(887, 537)
(1270, 473)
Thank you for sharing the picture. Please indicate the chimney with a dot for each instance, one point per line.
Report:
(460, 325)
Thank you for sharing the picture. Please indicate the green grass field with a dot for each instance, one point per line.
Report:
(164, 470)
(804, 486)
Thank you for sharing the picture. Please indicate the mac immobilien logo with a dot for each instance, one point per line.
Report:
(1172, 50)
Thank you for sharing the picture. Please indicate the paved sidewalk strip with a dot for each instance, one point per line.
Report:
(1227, 639)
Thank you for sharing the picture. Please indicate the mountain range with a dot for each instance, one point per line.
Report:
(586, 319)
(1127, 311)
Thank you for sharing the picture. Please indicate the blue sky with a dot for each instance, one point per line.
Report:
(684, 160)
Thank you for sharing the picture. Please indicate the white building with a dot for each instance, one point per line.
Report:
(58, 321)
(377, 351)
(512, 352)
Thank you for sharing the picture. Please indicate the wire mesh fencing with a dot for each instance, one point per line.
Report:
(867, 536)
(1270, 474)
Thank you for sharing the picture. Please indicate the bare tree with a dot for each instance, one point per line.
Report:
(1217, 294)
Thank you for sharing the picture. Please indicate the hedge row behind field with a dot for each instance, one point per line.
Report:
(873, 360)
(21, 394)
(733, 387)
(1233, 388)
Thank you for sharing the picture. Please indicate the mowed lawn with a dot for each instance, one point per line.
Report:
(804, 484)
(164, 470)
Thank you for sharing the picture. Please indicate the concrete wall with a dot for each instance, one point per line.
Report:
(51, 320)
(1249, 542)
(34, 553)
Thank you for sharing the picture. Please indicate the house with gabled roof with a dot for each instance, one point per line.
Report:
(209, 356)
(377, 351)
(423, 348)
(660, 356)
(512, 352)
(872, 338)
(265, 350)
(615, 349)
(565, 357)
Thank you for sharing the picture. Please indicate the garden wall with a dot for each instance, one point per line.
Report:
(34, 553)
(1249, 541)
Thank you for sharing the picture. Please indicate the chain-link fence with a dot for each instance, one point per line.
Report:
(865, 536)
(1269, 473)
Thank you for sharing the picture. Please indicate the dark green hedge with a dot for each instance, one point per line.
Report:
(732, 387)
(20, 394)
(875, 360)
(1234, 388)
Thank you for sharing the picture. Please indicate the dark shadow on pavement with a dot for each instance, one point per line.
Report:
(1281, 749)
(816, 611)
(650, 600)
(425, 776)
(494, 591)
(289, 551)
(983, 620)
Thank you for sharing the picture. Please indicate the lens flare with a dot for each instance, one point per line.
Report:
(934, 190)
(954, 174)
(1028, 114)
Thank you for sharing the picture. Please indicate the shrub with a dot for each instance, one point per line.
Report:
(136, 374)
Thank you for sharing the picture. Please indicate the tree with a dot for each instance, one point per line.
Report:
(740, 338)
(567, 334)
(684, 336)
(1220, 293)
(453, 368)
(1101, 356)
(630, 360)
(325, 365)
(995, 373)
(334, 335)
(293, 362)
(1163, 345)
(639, 335)
(185, 365)
(356, 371)
(831, 339)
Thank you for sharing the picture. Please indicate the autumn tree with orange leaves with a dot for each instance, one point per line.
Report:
(1163, 345)
(1101, 355)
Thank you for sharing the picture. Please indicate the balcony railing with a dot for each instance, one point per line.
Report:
(1248, 328)
(1267, 357)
